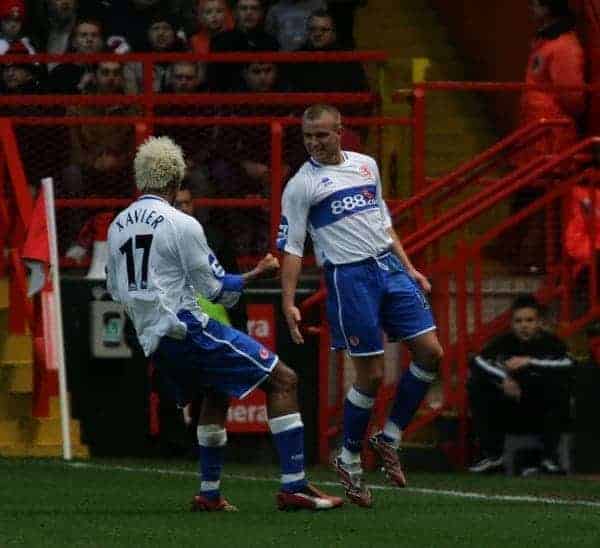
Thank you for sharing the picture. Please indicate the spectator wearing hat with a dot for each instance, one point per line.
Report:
(12, 15)
(162, 36)
(18, 79)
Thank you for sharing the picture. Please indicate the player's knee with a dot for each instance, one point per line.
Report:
(369, 374)
(371, 380)
(284, 379)
(430, 356)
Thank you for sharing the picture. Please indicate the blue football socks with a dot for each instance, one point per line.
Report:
(288, 436)
(357, 413)
(410, 393)
(212, 439)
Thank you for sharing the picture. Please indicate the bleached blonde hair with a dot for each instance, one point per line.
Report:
(158, 163)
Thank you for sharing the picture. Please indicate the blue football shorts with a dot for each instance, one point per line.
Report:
(216, 357)
(367, 298)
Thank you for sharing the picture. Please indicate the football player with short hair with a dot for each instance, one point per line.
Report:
(336, 197)
(158, 261)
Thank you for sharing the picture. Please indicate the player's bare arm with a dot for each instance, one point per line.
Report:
(290, 272)
(410, 269)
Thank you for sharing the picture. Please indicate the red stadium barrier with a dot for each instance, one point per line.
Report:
(449, 224)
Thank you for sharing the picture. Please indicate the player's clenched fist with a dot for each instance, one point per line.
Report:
(268, 264)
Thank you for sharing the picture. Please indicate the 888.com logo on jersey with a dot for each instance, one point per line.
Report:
(365, 199)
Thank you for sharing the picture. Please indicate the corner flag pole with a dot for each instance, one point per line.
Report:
(48, 189)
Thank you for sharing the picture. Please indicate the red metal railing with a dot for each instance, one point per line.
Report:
(467, 258)
(429, 231)
(276, 125)
(16, 215)
(15, 199)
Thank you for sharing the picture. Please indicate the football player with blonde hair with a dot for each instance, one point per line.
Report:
(158, 262)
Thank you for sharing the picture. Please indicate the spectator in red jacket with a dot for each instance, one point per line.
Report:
(556, 58)
(12, 15)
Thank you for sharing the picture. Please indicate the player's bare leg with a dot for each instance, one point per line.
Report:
(212, 438)
(287, 428)
(412, 388)
(357, 413)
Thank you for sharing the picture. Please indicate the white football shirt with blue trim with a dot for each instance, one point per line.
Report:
(340, 206)
(158, 260)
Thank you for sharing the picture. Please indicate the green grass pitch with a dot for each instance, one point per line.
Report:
(145, 503)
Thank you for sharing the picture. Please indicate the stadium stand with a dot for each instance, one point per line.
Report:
(452, 218)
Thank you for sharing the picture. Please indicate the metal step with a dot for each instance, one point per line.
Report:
(16, 350)
(17, 379)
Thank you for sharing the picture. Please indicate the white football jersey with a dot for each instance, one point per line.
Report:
(340, 206)
(158, 260)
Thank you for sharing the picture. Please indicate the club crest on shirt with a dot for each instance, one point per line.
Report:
(326, 181)
(423, 299)
(365, 172)
(216, 267)
(353, 340)
(263, 353)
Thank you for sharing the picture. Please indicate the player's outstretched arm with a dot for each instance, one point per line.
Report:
(410, 269)
(290, 272)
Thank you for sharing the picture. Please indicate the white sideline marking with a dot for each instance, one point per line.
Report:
(420, 490)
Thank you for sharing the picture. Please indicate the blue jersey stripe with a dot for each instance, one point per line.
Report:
(341, 204)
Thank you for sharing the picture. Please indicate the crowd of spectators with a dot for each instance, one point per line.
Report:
(201, 26)
(94, 160)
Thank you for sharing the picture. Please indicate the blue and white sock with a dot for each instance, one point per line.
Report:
(357, 413)
(410, 393)
(212, 439)
(288, 436)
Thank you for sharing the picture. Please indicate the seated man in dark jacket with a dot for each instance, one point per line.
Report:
(520, 381)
